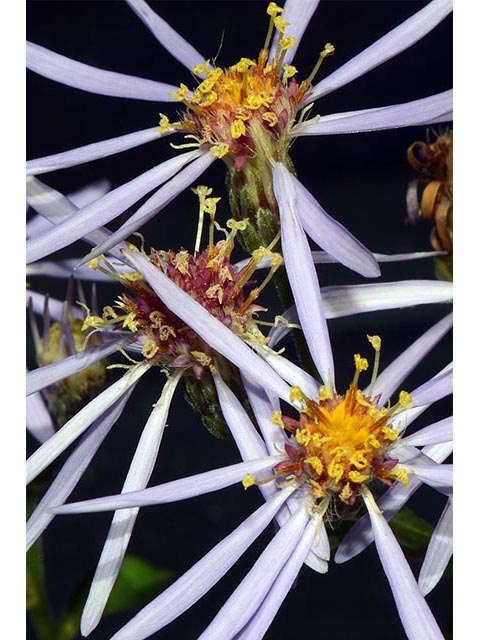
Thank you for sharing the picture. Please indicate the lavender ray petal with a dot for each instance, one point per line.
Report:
(216, 334)
(441, 431)
(329, 234)
(439, 552)
(73, 469)
(429, 110)
(393, 375)
(438, 476)
(298, 15)
(258, 624)
(55, 307)
(121, 528)
(193, 584)
(174, 491)
(93, 151)
(65, 269)
(345, 300)
(49, 374)
(37, 223)
(361, 534)
(290, 372)
(155, 203)
(388, 46)
(62, 439)
(417, 619)
(173, 42)
(104, 209)
(303, 277)
(248, 596)
(57, 208)
(249, 443)
(263, 408)
(38, 419)
(82, 76)
(436, 388)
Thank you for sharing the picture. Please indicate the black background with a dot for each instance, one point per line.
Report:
(359, 179)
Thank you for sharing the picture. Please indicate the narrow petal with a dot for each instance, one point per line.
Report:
(248, 596)
(123, 521)
(93, 151)
(390, 45)
(256, 628)
(104, 209)
(82, 76)
(298, 15)
(290, 372)
(429, 110)
(55, 307)
(438, 476)
(329, 234)
(156, 203)
(439, 552)
(190, 587)
(361, 534)
(435, 389)
(177, 46)
(38, 419)
(216, 334)
(393, 375)
(56, 208)
(174, 491)
(65, 269)
(416, 617)
(62, 439)
(441, 431)
(303, 277)
(263, 408)
(51, 373)
(73, 469)
(249, 443)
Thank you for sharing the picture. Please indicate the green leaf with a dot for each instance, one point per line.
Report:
(137, 582)
(412, 533)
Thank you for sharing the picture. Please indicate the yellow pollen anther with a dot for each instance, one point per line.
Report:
(202, 190)
(390, 433)
(210, 205)
(219, 150)
(164, 124)
(93, 263)
(149, 349)
(202, 358)
(328, 50)
(361, 364)
(405, 400)
(375, 341)
(237, 129)
(209, 99)
(181, 93)
(303, 436)
(273, 9)
(249, 481)
(130, 322)
(325, 393)
(316, 464)
(280, 24)
(288, 42)
(200, 69)
(359, 460)
(357, 477)
(400, 474)
(244, 64)
(335, 471)
(289, 71)
(92, 321)
(297, 395)
(277, 418)
(271, 118)
(316, 489)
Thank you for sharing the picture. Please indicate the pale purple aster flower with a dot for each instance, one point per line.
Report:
(266, 123)
(302, 490)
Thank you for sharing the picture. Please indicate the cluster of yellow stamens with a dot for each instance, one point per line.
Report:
(232, 109)
(340, 443)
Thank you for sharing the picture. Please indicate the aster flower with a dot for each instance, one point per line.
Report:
(247, 114)
(324, 461)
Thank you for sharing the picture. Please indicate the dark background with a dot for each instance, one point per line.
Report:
(360, 179)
